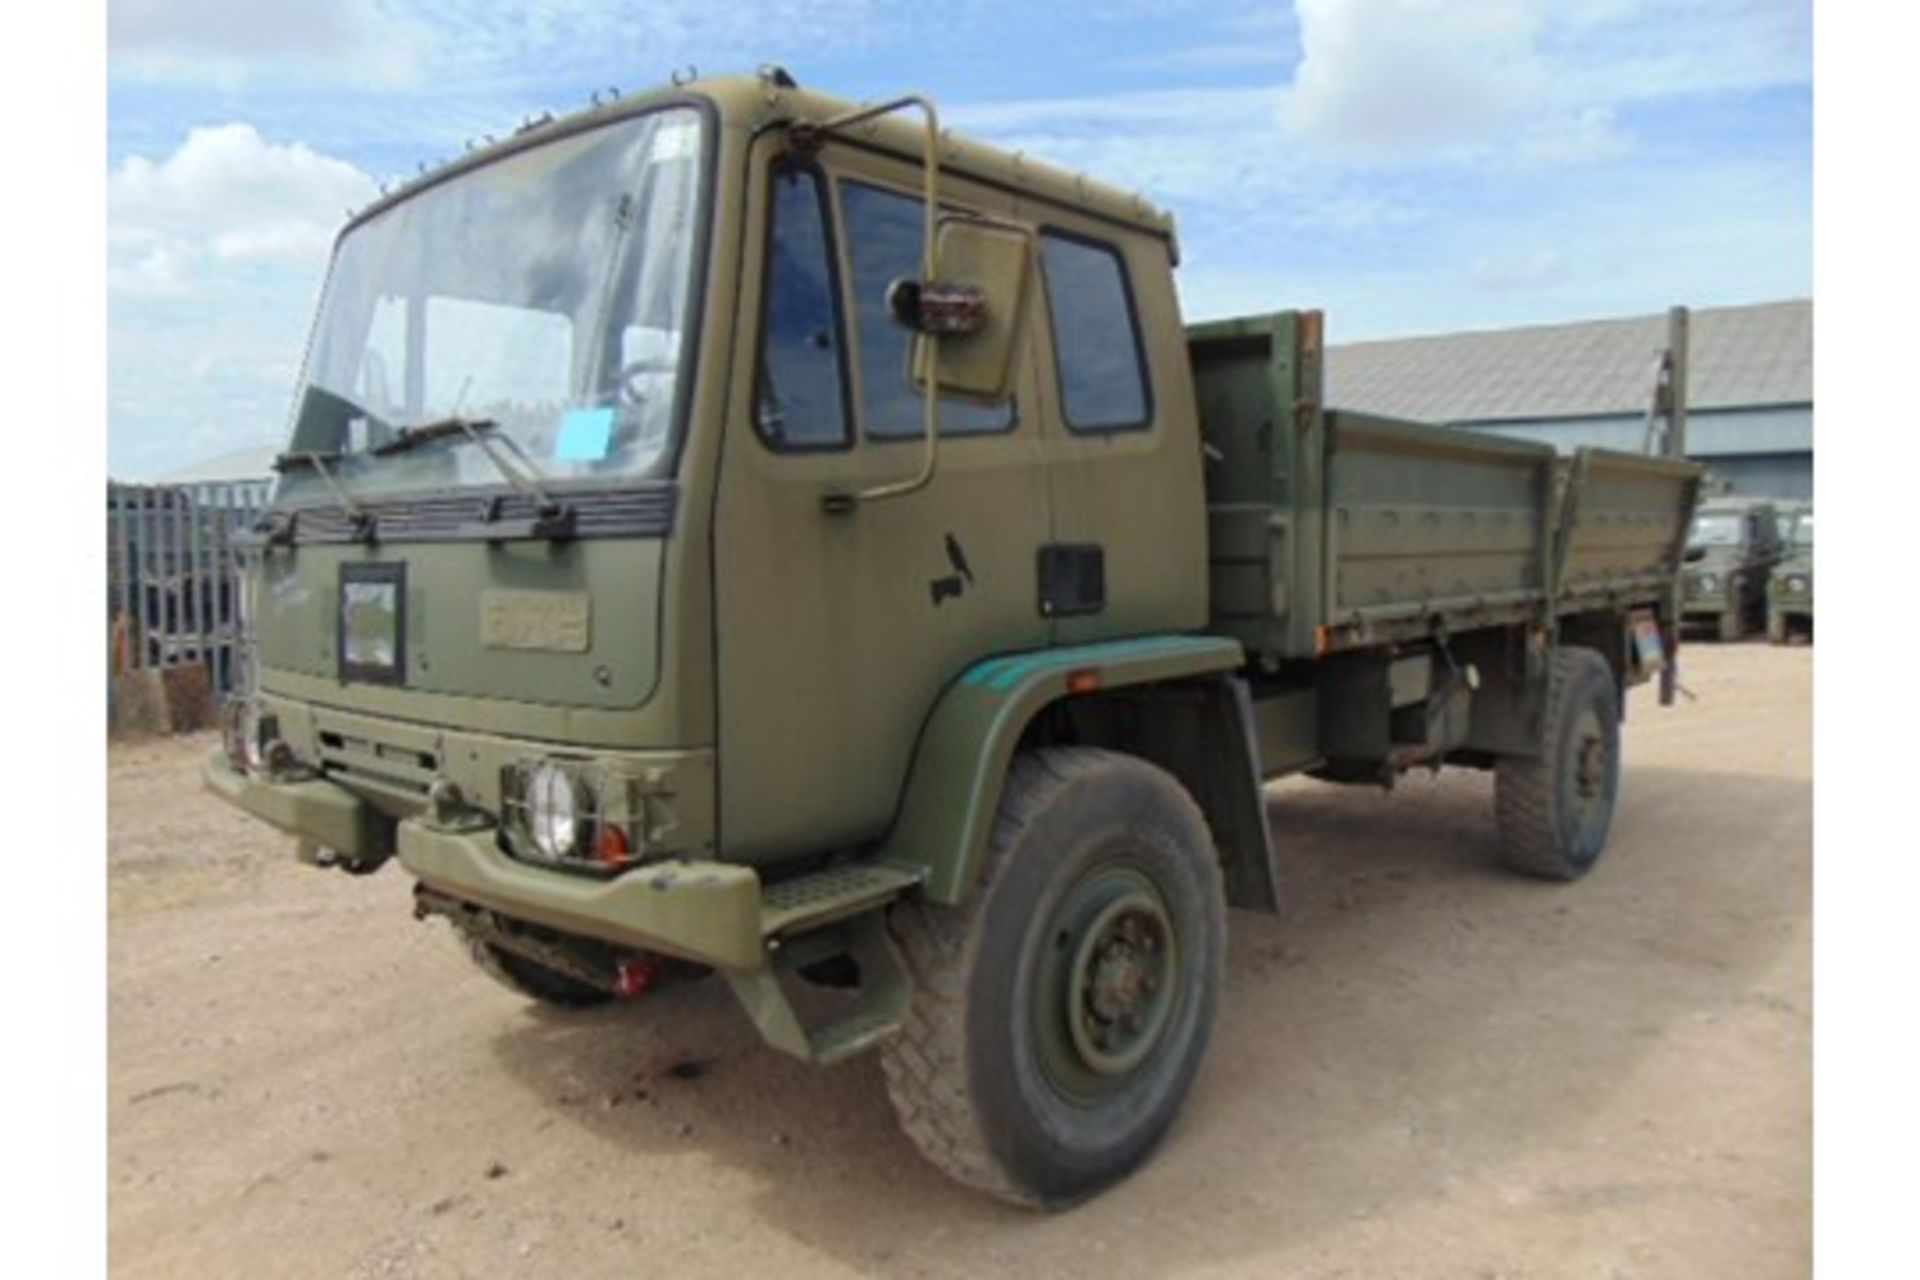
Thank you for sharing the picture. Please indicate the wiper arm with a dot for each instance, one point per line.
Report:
(411, 437)
(477, 430)
(361, 517)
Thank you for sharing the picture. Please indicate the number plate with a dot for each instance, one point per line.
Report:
(373, 622)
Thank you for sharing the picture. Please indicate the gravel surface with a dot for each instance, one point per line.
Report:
(1424, 1066)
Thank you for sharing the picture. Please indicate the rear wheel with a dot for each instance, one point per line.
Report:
(1058, 1018)
(1553, 810)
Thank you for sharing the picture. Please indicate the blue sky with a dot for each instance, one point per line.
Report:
(1411, 166)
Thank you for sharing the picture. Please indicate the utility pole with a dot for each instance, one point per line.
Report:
(1677, 327)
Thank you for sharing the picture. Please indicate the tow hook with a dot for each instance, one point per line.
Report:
(634, 977)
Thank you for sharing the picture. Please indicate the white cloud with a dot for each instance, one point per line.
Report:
(233, 42)
(215, 255)
(1413, 72)
(157, 271)
(1536, 80)
(1433, 162)
(225, 195)
(1516, 272)
(292, 240)
(428, 44)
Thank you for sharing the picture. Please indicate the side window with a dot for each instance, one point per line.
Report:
(801, 401)
(1103, 384)
(883, 244)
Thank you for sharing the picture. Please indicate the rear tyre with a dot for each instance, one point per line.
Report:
(1553, 810)
(1059, 1016)
(535, 981)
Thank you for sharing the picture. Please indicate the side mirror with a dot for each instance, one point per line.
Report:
(977, 312)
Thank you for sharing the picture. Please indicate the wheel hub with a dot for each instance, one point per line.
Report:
(1107, 989)
(1590, 770)
(1125, 972)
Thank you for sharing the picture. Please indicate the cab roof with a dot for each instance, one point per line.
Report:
(752, 103)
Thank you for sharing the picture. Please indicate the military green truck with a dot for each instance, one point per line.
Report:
(626, 586)
(1731, 548)
(1790, 587)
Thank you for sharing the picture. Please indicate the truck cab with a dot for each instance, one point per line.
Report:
(1790, 586)
(625, 575)
(1732, 546)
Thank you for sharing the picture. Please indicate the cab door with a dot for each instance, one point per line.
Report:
(837, 630)
(1120, 433)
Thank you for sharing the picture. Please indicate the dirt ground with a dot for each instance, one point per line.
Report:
(1424, 1066)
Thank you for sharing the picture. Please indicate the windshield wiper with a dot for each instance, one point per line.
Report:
(411, 437)
(555, 519)
(363, 522)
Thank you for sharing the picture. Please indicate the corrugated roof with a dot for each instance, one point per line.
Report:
(1741, 356)
(241, 464)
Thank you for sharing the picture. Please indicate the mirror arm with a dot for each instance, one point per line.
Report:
(929, 270)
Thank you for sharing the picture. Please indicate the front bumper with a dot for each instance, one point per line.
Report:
(314, 809)
(704, 911)
(708, 912)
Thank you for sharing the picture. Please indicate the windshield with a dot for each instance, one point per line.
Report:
(547, 292)
(1715, 531)
(1803, 531)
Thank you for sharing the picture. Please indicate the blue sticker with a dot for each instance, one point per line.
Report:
(585, 435)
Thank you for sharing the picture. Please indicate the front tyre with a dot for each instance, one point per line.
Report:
(1553, 810)
(535, 981)
(1059, 1016)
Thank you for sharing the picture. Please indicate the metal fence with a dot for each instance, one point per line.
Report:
(174, 554)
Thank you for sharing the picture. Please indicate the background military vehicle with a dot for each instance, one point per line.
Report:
(626, 585)
(1731, 548)
(1790, 587)
(1785, 512)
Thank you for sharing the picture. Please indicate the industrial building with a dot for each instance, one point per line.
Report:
(1750, 389)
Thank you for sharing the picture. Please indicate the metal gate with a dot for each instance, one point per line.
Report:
(174, 555)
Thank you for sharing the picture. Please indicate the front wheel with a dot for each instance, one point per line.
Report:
(1553, 810)
(1058, 1018)
(535, 981)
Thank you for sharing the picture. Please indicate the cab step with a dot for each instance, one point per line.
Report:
(823, 897)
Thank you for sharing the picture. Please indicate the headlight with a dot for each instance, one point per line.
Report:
(553, 809)
(1709, 582)
(572, 813)
(1797, 583)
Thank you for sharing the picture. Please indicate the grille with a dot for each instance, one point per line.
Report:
(379, 764)
(646, 511)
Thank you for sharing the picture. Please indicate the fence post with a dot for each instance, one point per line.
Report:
(144, 561)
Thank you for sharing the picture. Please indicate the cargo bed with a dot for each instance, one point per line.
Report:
(1330, 530)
